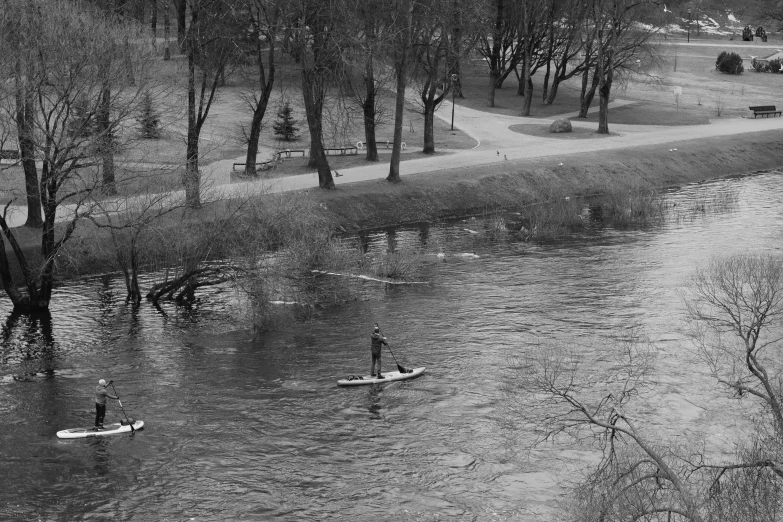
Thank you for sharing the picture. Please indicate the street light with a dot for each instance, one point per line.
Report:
(454, 79)
(689, 25)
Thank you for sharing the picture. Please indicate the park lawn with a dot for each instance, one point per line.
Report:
(706, 93)
(653, 114)
(542, 131)
(475, 90)
(223, 135)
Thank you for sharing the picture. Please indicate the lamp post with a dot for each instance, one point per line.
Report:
(454, 79)
(689, 25)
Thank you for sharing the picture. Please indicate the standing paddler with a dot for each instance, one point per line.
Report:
(100, 402)
(377, 342)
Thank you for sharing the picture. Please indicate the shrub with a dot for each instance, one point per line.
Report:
(775, 65)
(730, 63)
(759, 66)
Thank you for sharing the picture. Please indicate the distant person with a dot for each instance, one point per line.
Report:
(761, 33)
(100, 402)
(377, 342)
(747, 34)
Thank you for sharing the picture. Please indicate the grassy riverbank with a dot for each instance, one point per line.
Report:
(430, 196)
(511, 185)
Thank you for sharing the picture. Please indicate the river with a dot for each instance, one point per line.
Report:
(252, 427)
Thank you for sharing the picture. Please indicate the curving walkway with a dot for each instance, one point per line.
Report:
(496, 143)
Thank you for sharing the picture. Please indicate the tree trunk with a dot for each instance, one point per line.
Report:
(313, 93)
(368, 108)
(109, 185)
(429, 127)
(550, 98)
(265, 83)
(586, 99)
(191, 179)
(528, 80)
(154, 21)
(605, 69)
(25, 122)
(493, 77)
(399, 108)
(166, 30)
(181, 6)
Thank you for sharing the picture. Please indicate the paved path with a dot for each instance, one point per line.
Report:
(496, 143)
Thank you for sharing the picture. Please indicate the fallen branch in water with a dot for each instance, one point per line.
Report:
(370, 278)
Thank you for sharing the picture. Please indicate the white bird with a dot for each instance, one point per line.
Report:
(560, 164)
(665, 10)
(672, 150)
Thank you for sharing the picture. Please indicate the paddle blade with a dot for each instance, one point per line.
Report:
(403, 369)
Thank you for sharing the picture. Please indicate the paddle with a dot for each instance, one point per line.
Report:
(123, 409)
(400, 368)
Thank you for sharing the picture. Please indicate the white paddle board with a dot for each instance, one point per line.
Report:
(109, 429)
(359, 380)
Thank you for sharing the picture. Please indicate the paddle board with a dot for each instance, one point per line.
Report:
(109, 429)
(359, 380)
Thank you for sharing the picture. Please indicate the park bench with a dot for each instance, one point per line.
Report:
(239, 168)
(9, 154)
(289, 153)
(764, 110)
(341, 151)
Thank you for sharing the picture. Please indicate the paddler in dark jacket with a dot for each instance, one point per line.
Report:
(378, 341)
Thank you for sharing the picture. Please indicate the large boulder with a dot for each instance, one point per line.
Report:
(560, 126)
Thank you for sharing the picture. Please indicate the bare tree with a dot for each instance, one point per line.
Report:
(364, 66)
(210, 50)
(265, 18)
(557, 397)
(318, 36)
(402, 25)
(499, 44)
(63, 57)
(436, 47)
(620, 38)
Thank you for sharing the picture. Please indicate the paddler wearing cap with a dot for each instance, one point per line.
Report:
(377, 342)
(100, 402)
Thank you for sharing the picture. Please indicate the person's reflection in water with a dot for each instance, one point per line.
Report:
(100, 455)
(374, 397)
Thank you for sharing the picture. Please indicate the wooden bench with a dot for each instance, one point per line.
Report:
(239, 168)
(9, 154)
(341, 151)
(764, 110)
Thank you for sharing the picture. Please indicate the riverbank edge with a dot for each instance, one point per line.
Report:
(509, 185)
(513, 185)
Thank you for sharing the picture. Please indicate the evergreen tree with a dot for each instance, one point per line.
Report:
(148, 118)
(285, 124)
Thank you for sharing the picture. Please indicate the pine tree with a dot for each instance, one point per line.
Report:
(285, 124)
(149, 121)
